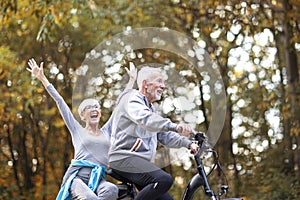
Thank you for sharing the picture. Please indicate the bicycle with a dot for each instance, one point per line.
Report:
(127, 189)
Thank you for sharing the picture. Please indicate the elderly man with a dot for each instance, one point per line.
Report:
(136, 129)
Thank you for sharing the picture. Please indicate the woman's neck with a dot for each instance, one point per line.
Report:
(93, 129)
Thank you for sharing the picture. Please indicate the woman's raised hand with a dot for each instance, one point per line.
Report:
(37, 71)
(132, 71)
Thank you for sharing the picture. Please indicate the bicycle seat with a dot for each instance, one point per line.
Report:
(117, 176)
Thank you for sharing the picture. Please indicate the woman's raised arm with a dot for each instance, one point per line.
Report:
(67, 115)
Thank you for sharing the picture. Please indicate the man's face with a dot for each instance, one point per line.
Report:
(155, 87)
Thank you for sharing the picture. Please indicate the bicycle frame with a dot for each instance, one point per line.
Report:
(200, 179)
(127, 189)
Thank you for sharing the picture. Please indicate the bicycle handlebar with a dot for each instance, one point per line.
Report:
(201, 139)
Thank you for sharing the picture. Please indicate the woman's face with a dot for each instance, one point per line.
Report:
(92, 113)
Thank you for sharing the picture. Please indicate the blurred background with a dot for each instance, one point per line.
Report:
(255, 45)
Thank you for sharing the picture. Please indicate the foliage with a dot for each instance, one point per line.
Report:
(251, 41)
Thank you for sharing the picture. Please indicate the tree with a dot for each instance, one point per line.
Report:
(35, 151)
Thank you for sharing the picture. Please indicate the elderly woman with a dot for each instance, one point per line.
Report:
(85, 177)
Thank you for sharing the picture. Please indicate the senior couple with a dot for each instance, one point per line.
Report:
(127, 142)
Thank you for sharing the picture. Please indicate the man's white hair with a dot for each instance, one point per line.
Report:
(146, 73)
(84, 103)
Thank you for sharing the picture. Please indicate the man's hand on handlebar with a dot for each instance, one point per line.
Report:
(184, 129)
(194, 148)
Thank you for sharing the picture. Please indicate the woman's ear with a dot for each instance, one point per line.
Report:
(81, 115)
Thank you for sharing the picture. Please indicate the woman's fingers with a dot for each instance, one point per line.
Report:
(31, 63)
(132, 71)
(42, 66)
(127, 70)
(28, 69)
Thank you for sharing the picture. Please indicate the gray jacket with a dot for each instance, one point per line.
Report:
(136, 129)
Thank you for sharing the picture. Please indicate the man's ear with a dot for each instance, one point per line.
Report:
(144, 83)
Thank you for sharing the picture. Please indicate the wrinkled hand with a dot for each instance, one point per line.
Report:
(194, 148)
(132, 71)
(35, 70)
(184, 129)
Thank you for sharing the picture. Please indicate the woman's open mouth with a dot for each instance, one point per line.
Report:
(94, 115)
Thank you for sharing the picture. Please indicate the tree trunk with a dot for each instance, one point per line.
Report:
(15, 164)
(291, 63)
